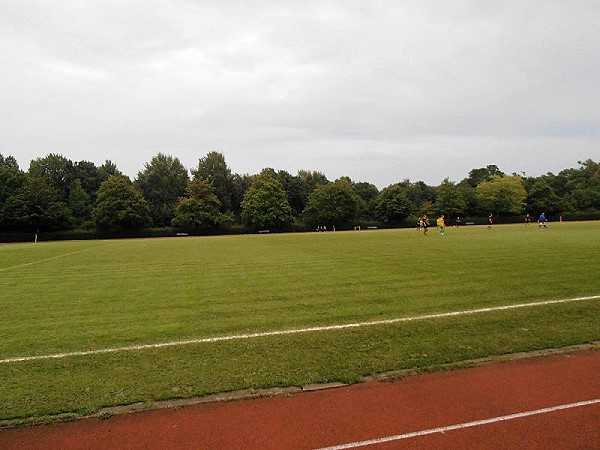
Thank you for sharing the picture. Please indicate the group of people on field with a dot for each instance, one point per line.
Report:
(541, 220)
(423, 223)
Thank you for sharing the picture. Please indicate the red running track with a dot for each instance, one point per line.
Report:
(372, 410)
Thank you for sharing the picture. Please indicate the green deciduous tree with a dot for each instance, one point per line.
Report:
(542, 198)
(107, 170)
(583, 185)
(239, 185)
(162, 182)
(417, 192)
(56, 170)
(89, 176)
(8, 162)
(79, 203)
(502, 194)
(392, 205)
(368, 192)
(36, 206)
(265, 205)
(199, 209)
(120, 206)
(449, 199)
(468, 194)
(295, 190)
(214, 169)
(486, 173)
(332, 204)
(312, 179)
(294, 187)
(426, 208)
(11, 179)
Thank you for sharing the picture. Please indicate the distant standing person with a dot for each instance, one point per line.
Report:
(457, 222)
(527, 219)
(440, 224)
(490, 221)
(542, 220)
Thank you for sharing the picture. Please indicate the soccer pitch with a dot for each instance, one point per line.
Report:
(219, 310)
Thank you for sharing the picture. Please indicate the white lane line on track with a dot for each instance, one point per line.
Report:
(292, 331)
(459, 426)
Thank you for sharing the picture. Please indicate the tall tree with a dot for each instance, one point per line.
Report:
(450, 200)
(36, 207)
(79, 203)
(583, 185)
(120, 206)
(294, 187)
(368, 192)
(56, 170)
(199, 209)
(162, 182)
(239, 185)
(486, 173)
(418, 193)
(295, 190)
(312, 179)
(11, 179)
(502, 194)
(332, 204)
(392, 205)
(108, 169)
(89, 176)
(542, 198)
(265, 205)
(214, 169)
(426, 208)
(8, 162)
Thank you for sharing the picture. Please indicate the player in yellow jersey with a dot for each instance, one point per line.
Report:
(441, 224)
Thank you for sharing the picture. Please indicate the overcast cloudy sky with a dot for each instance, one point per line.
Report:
(376, 90)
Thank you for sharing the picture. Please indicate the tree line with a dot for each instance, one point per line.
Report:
(59, 194)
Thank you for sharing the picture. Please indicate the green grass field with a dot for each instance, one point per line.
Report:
(77, 296)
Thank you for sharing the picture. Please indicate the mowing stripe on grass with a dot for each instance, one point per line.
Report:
(292, 331)
(460, 426)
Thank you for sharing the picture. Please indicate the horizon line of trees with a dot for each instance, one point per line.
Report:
(56, 193)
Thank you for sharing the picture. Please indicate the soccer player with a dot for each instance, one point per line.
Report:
(425, 220)
(542, 220)
(440, 224)
(527, 219)
(490, 221)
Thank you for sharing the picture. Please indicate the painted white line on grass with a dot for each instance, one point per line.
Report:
(3, 269)
(459, 426)
(292, 331)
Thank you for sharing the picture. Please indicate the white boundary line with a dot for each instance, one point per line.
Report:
(459, 426)
(292, 331)
(3, 269)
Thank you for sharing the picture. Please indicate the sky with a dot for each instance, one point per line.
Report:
(379, 91)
